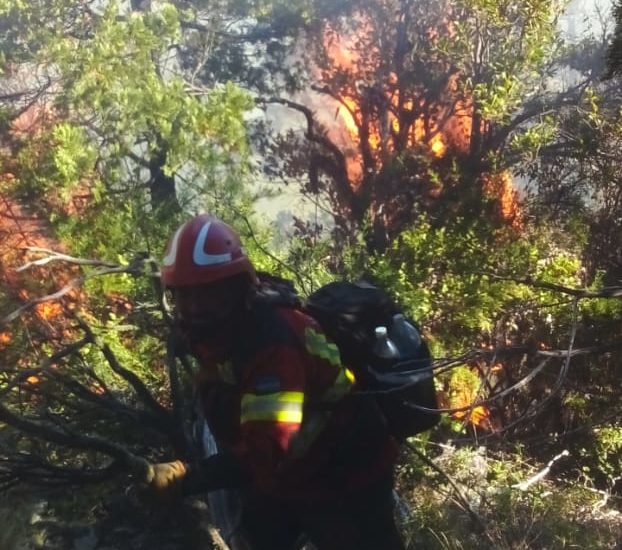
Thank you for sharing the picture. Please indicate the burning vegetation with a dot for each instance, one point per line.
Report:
(399, 121)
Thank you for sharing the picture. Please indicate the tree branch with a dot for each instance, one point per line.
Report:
(135, 464)
(606, 292)
(137, 266)
(27, 468)
(524, 485)
(131, 378)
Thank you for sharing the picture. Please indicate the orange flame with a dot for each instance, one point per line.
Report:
(437, 146)
(48, 310)
(501, 187)
(497, 367)
(476, 416)
(377, 114)
(439, 124)
(5, 338)
(464, 393)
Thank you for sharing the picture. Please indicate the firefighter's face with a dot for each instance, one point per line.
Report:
(204, 303)
(208, 312)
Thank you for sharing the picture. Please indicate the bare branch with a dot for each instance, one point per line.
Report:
(27, 468)
(45, 364)
(606, 292)
(135, 464)
(524, 485)
(311, 133)
(135, 382)
(137, 266)
(54, 256)
(71, 285)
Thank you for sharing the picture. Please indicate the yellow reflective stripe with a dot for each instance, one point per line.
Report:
(340, 387)
(274, 407)
(317, 344)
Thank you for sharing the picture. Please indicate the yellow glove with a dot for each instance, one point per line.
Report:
(165, 479)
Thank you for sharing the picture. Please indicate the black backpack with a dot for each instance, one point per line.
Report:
(349, 313)
(404, 388)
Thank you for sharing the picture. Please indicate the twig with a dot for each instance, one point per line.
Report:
(137, 384)
(217, 539)
(135, 267)
(605, 292)
(71, 285)
(54, 256)
(522, 382)
(135, 464)
(30, 469)
(524, 485)
(559, 381)
(45, 364)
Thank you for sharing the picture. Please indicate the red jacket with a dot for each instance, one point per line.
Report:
(283, 405)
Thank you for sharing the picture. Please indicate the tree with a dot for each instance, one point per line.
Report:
(614, 53)
(123, 112)
(427, 95)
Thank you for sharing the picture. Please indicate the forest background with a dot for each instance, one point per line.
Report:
(459, 153)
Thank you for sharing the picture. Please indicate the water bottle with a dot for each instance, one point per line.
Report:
(405, 337)
(384, 348)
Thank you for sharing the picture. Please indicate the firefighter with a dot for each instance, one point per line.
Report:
(308, 455)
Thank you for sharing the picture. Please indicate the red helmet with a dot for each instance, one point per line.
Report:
(204, 250)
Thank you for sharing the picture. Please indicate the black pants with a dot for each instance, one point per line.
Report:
(362, 520)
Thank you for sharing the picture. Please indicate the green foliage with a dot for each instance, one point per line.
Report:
(603, 455)
(550, 514)
(125, 78)
(445, 276)
(502, 48)
(123, 120)
(530, 140)
(140, 353)
(74, 156)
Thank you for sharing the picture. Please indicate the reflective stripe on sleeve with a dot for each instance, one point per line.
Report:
(340, 387)
(317, 344)
(273, 407)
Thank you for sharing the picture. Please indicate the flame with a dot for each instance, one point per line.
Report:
(32, 380)
(378, 106)
(437, 146)
(48, 310)
(477, 416)
(370, 112)
(353, 48)
(464, 393)
(501, 187)
(347, 115)
(5, 338)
